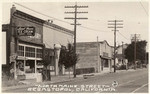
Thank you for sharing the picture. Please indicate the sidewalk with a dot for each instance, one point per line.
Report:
(57, 79)
(32, 82)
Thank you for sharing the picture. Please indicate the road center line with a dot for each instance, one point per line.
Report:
(139, 88)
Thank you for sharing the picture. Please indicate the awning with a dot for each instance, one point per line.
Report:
(105, 57)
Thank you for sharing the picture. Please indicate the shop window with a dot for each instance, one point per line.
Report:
(39, 53)
(30, 52)
(30, 66)
(21, 50)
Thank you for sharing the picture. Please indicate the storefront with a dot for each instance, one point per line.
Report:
(106, 64)
(29, 60)
(28, 37)
(25, 39)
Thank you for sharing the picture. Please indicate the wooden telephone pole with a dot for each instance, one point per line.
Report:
(134, 39)
(75, 18)
(122, 54)
(116, 24)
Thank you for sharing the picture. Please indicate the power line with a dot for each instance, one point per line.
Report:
(93, 29)
(41, 13)
(57, 18)
(143, 8)
(123, 35)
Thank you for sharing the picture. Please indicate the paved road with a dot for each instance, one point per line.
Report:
(135, 81)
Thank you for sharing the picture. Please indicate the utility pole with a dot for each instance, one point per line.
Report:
(115, 24)
(135, 51)
(122, 53)
(75, 26)
(98, 64)
(145, 56)
(134, 39)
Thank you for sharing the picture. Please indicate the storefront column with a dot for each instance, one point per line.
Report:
(15, 70)
(24, 65)
(35, 65)
(35, 60)
(24, 59)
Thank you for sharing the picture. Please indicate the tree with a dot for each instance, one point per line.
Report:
(140, 51)
(67, 57)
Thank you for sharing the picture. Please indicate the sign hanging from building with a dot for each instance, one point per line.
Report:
(26, 31)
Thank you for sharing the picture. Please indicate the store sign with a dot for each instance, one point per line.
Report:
(26, 31)
(36, 35)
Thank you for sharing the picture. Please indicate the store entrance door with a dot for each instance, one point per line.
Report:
(30, 69)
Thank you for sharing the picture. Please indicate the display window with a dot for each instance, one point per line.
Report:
(21, 50)
(30, 66)
(30, 52)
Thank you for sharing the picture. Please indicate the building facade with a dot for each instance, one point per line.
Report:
(26, 52)
(54, 37)
(32, 42)
(97, 55)
(120, 57)
(106, 56)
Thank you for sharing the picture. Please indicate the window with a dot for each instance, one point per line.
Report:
(39, 53)
(30, 52)
(21, 50)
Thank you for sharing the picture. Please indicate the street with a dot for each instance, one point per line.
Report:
(131, 81)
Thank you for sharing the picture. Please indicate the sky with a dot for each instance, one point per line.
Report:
(134, 16)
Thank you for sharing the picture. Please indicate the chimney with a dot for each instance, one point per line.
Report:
(13, 9)
(50, 21)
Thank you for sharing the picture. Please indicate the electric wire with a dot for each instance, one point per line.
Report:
(143, 8)
(123, 35)
(56, 18)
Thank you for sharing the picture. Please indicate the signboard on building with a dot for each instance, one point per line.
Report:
(26, 31)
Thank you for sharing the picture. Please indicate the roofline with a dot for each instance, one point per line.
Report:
(96, 42)
(43, 21)
(58, 27)
(121, 45)
(29, 16)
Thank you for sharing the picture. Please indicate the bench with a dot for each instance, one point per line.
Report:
(85, 76)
